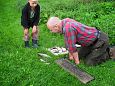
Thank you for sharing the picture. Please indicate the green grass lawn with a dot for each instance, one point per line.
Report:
(22, 67)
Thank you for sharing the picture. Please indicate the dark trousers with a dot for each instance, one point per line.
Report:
(97, 52)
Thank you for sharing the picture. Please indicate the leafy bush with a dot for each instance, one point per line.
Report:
(93, 13)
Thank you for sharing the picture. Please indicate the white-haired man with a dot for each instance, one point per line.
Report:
(95, 46)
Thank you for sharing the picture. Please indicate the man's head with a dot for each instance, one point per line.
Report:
(54, 24)
(33, 3)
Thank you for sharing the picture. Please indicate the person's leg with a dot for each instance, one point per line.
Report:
(35, 36)
(83, 52)
(97, 57)
(26, 37)
(100, 51)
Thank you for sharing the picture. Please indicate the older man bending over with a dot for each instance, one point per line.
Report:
(95, 44)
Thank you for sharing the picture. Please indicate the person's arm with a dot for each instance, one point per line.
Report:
(37, 16)
(24, 20)
(71, 56)
(70, 41)
(74, 55)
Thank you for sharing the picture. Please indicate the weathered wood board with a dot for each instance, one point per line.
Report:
(72, 69)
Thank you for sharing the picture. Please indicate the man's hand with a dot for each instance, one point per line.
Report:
(34, 27)
(71, 57)
(74, 56)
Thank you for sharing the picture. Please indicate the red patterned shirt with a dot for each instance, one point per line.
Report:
(77, 33)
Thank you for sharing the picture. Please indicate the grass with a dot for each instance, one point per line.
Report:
(21, 67)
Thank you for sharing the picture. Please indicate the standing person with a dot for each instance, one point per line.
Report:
(94, 43)
(30, 18)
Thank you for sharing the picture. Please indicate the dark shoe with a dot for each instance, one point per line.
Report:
(34, 43)
(35, 46)
(26, 44)
(112, 53)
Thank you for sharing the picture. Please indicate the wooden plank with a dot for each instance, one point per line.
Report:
(72, 69)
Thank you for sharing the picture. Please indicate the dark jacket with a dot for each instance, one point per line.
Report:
(26, 21)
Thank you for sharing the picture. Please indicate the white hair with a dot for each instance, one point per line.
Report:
(52, 21)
